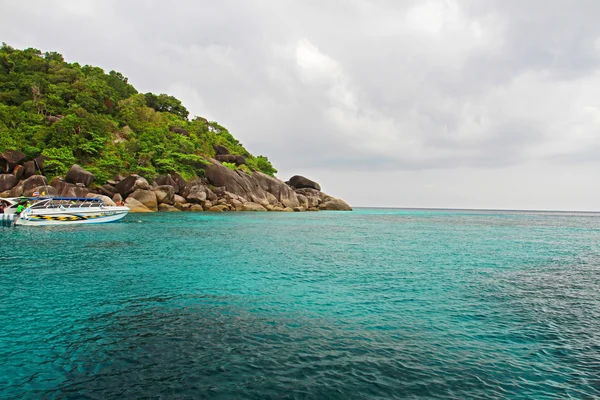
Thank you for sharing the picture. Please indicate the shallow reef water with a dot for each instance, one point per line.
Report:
(375, 303)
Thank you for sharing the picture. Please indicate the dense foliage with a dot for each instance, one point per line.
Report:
(80, 114)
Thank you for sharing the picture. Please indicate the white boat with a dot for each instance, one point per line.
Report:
(42, 211)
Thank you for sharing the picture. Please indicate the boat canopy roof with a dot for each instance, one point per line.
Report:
(14, 200)
(67, 198)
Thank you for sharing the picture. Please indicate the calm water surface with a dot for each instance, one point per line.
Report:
(369, 304)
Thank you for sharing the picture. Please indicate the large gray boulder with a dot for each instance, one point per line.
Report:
(17, 190)
(194, 191)
(252, 207)
(220, 150)
(167, 208)
(130, 184)
(196, 208)
(30, 169)
(282, 192)
(18, 172)
(299, 182)
(164, 194)
(65, 189)
(136, 206)
(7, 182)
(163, 180)
(77, 174)
(183, 206)
(258, 187)
(34, 181)
(219, 208)
(180, 182)
(33, 167)
(219, 175)
(335, 205)
(196, 195)
(308, 192)
(239, 160)
(191, 183)
(146, 197)
(230, 158)
(237, 205)
(107, 189)
(41, 191)
(210, 195)
(178, 199)
(313, 196)
(10, 159)
(303, 200)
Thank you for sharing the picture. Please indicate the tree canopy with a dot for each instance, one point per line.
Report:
(80, 114)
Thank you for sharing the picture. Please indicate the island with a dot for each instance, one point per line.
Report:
(76, 131)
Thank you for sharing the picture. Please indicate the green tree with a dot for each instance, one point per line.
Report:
(58, 161)
(81, 114)
(166, 103)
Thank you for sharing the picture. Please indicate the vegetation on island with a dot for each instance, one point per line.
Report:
(80, 114)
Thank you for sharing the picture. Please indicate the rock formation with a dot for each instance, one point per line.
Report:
(300, 182)
(130, 184)
(146, 197)
(79, 175)
(7, 182)
(220, 189)
(180, 131)
(10, 159)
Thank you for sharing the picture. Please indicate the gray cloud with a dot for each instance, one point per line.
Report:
(346, 88)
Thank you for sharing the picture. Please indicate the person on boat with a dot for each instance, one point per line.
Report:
(23, 204)
(2, 207)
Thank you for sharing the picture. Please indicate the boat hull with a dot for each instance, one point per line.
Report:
(72, 217)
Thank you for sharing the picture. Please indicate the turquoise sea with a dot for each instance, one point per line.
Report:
(363, 305)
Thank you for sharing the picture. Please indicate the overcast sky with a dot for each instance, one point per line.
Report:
(429, 103)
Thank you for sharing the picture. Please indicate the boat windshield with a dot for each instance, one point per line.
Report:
(65, 203)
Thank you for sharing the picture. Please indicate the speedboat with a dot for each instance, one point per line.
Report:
(41, 211)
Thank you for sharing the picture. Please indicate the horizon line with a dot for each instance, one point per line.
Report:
(478, 209)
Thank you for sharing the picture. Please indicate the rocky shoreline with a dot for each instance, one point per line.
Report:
(218, 188)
